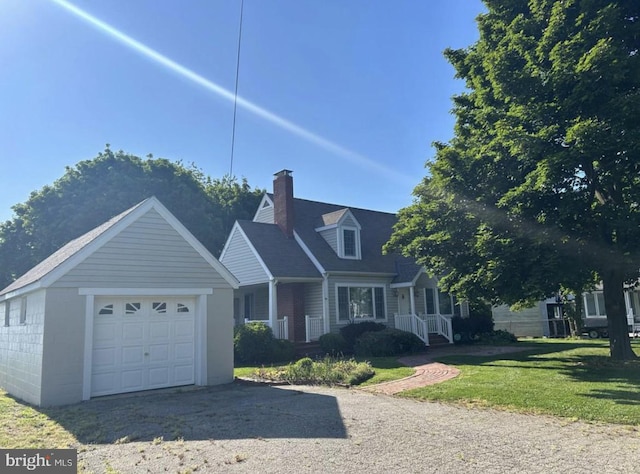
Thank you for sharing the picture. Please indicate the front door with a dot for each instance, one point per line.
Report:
(404, 302)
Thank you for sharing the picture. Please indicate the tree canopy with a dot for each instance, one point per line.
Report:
(540, 186)
(93, 191)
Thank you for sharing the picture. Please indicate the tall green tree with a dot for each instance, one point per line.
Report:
(540, 186)
(93, 191)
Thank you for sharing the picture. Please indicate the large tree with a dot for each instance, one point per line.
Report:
(540, 186)
(93, 191)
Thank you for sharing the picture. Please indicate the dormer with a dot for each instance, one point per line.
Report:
(341, 230)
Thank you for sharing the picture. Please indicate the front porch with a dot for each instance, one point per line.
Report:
(426, 325)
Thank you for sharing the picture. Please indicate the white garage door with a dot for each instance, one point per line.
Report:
(142, 343)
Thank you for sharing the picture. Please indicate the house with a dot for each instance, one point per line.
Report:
(307, 268)
(545, 318)
(137, 303)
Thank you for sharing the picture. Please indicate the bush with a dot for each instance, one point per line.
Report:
(353, 331)
(497, 337)
(388, 342)
(254, 343)
(327, 371)
(333, 343)
(467, 330)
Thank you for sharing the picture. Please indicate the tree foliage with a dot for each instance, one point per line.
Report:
(93, 191)
(540, 187)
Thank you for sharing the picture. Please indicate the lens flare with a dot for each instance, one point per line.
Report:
(255, 109)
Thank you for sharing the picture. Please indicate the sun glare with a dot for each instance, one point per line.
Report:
(270, 117)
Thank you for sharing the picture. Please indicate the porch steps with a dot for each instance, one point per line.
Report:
(437, 340)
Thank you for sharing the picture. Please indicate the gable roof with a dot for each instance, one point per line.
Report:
(282, 256)
(77, 250)
(375, 230)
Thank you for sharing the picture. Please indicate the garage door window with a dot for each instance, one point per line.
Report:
(159, 308)
(107, 309)
(132, 308)
(182, 308)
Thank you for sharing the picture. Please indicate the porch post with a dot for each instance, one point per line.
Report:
(325, 303)
(412, 300)
(273, 305)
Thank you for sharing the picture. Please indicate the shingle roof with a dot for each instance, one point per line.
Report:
(283, 256)
(64, 253)
(376, 229)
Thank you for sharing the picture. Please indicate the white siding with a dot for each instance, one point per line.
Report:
(264, 215)
(148, 253)
(349, 221)
(21, 348)
(313, 299)
(331, 236)
(241, 261)
(528, 322)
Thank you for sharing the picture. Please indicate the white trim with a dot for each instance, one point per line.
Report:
(200, 325)
(88, 347)
(356, 236)
(200, 338)
(325, 303)
(326, 227)
(362, 284)
(145, 291)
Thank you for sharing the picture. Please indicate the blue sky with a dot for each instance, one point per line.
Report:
(347, 94)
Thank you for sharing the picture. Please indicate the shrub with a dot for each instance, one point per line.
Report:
(333, 343)
(327, 371)
(388, 342)
(466, 330)
(497, 337)
(254, 343)
(352, 331)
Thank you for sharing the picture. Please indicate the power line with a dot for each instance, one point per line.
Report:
(235, 99)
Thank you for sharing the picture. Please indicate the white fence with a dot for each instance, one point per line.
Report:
(281, 331)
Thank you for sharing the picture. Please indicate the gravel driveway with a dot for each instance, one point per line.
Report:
(261, 429)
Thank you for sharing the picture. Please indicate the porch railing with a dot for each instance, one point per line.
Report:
(412, 323)
(440, 324)
(314, 328)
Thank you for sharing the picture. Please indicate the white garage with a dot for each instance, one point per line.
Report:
(135, 304)
(142, 343)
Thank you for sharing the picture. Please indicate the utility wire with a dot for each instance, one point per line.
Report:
(235, 99)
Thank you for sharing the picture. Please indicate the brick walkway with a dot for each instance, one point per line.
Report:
(429, 372)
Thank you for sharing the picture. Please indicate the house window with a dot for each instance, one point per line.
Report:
(23, 311)
(349, 242)
(248, 306)
(594, 304)
(358, 303)
(349, 237)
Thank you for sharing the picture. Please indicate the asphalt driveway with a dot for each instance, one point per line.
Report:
(255, 428)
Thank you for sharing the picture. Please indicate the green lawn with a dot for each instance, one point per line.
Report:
(568, 378)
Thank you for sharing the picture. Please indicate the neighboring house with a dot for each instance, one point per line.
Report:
(135, 304)
(546, 317)
(307, 268)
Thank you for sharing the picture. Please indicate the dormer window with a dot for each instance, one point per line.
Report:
(341, 230)
(350, 242)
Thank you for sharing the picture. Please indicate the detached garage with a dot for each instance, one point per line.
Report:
(135, 304)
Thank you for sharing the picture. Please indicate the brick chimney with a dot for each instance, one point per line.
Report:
(283, 201)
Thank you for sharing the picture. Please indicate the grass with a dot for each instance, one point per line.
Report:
(568, 378)
(23, 426)
(385, 369)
